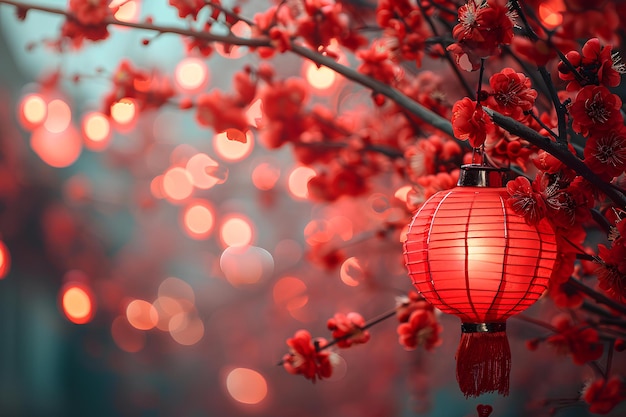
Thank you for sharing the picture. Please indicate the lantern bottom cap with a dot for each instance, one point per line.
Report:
(483, 327)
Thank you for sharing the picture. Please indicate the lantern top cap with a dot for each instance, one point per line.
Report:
(475, 175)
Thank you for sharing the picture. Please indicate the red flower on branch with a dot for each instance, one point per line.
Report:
(512, 94)
(422, 329)
(605, 153)
(581, 341)
(188, 7)
(306, 358)
(526, 200)
(597, 64)
(603, 395)
(595, 109)
(221, 112)
(90, 12)
(377, 63)
(348, 329)
(483, 26)
(470, 122)
(87, 21)
(322, 21)
(612, 270)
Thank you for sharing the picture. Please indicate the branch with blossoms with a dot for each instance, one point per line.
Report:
(312, 357)
(572, 144)
(463, 48)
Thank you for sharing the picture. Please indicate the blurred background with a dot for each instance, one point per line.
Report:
(142, 283)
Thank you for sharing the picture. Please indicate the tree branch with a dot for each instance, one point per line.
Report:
(559, 151)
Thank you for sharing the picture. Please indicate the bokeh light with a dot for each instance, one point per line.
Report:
(246, 265)
(402, 193)
(550, 13)
(77, 302)
(191, 74)
(236, 230)
(96, 131)
(290, 293)
(318, 231)
(59, 116)
(185, 329)
(77, 189)
(156, 187)
(265, 175)
(177, 289)
(199, 167)
(351, 272)
(58, 150)
(128, 10)
(233, 149)
(142, 315)
(298, 181)
(5, 260)
(246, 386)
(254, 114)
(32, 111)
(177, 184)
(167, 308)
(321, 78)
(198, 219)
(126, 337)
(124, 112)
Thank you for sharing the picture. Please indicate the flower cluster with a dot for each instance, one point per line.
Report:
(306, 357)
(148, 90)
(88, 20)
(418, 323)
(611, 271)
(603, 395)
(483, 26)
(581, 341)
(348, 329)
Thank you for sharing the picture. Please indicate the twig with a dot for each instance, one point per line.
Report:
(600, 298)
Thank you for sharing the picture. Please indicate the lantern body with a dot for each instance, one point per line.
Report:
(470, 255)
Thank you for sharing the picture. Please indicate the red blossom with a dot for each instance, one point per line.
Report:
(404, 30)
(149, 90)
(405, 306)
(377, 63)
(306, 357)
(422, 329)
(77, 33)
(605, 152)
(564, 295)
(322, 21)
(188, 7)
(90, 12)
(526, 200)
(612, 270)
(348, 329)
(284, 100)
(483, 26)
(581, 341)
(221, 112)
(470, 122)
(603, 395)
(512, 94)
(597, 64)
(595, 109)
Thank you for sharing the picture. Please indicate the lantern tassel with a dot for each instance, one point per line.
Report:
(483, 359)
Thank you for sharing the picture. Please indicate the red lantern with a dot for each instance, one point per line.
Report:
(470, 255)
